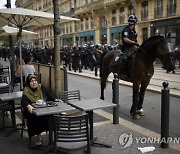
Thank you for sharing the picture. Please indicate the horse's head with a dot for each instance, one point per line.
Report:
(165, 52)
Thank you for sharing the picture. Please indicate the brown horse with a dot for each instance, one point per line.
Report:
(141, 71)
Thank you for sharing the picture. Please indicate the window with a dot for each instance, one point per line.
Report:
(82, 3)
(130, 10)
(92, 22)
(70, 28)
(103, 22)
(67, 28)
(63, 29)
(171, 8)
(113, 17)
(145, 34)
(158, 9)
(122, 15)
(87, 23)
(144, 11)
(51, 31)
(160, 31)
(173, 33)
(76, 26)
(82, 24)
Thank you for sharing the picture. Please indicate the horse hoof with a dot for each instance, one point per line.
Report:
(140, 112)
(102, 98)
(136, 116)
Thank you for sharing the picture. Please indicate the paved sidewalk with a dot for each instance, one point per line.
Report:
(106, 133)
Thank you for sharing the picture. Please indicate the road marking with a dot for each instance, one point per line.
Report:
(137, 128)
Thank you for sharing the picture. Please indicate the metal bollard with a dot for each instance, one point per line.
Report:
(65, 79)
(115, 99)
(165, 115)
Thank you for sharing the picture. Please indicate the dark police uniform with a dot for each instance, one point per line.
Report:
(132, 35)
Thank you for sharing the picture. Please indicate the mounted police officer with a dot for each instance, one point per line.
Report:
(129, 39)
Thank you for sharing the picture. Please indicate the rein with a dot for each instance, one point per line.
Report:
(144, 52)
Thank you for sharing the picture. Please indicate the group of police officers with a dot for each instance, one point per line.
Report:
(91, 56)
(86, 57)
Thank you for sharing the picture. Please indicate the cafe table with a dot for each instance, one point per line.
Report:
(50, 111)
(11, 97)
(89, 105)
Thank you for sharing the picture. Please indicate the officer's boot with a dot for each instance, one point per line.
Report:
(122, 67)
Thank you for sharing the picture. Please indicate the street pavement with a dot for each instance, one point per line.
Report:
(125, 137)
(156, 81)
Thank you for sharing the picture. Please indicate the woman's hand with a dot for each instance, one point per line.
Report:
(30, 108)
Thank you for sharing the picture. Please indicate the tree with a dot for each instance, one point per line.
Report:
(57, 47)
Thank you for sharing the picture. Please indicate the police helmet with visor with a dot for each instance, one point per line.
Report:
(132, 19)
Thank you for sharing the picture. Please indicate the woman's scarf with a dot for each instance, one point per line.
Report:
(33, 95)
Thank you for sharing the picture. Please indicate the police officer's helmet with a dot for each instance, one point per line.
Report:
(132, 19)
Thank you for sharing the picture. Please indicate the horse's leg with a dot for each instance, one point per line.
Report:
(103, 85)
(104, 77)
(135, 102)
(141, 98)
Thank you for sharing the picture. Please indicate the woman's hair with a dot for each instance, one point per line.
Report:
(28, 79)
(27, 59)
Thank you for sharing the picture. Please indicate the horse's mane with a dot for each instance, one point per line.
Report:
(150, 39)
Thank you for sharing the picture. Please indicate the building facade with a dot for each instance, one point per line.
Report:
(102, 21)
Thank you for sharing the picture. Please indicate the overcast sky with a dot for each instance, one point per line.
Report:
(3, 2)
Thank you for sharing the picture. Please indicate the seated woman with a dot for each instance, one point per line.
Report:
(31, 93)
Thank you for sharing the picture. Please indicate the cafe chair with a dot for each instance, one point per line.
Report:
(6, 106)
(4, 74)
(71, 133)
(3, 78)
(68, 96)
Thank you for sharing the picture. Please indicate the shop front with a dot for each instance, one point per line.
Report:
(165, 27)
(103, 36)
(67, 40)
(116, 35)
(87, 37)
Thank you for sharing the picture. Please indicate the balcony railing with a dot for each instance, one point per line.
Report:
(171, 9)
(158, 12)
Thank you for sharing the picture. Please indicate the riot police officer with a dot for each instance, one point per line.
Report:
(129, 39)
(129, 35)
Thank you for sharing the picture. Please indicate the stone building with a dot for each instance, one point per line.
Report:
(102, 21)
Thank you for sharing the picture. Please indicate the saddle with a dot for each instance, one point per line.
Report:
(124, 63)
(117, 60)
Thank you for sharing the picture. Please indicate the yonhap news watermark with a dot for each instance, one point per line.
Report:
(127, 139)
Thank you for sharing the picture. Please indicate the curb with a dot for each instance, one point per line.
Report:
(123, 83)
